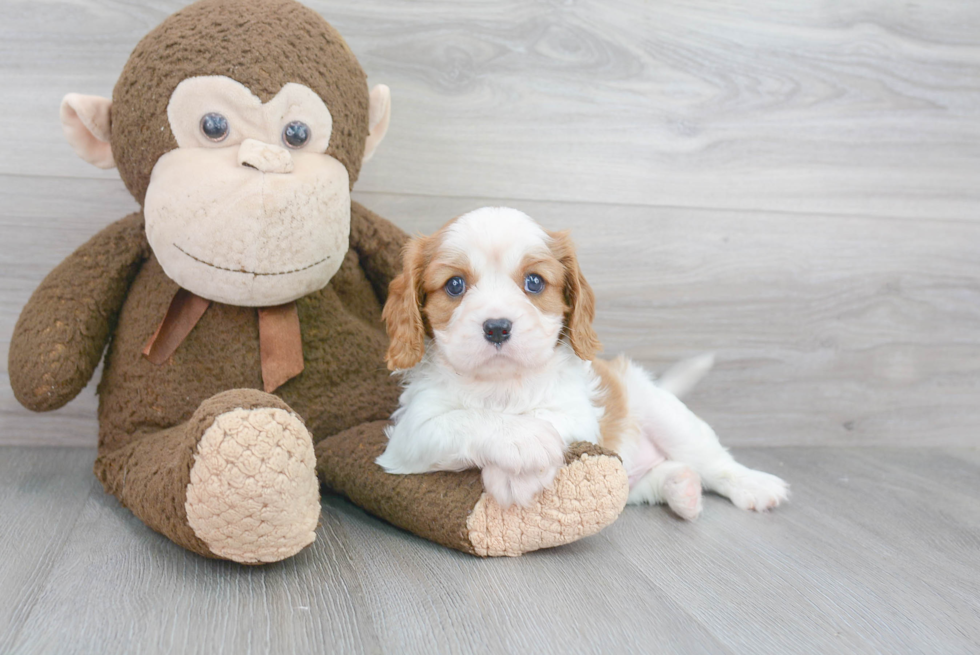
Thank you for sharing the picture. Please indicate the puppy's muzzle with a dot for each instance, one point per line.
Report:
(496, 330)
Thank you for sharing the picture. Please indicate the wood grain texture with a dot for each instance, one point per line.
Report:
(828, 329)
(790, 185)
(851, 567)
(876, 552)
(41, 494)
(867, 107)
(846, 313)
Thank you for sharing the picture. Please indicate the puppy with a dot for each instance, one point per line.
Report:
(491, 325)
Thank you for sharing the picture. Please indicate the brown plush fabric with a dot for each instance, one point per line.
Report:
(263, 44)
(150, 474)
(60, 335)
(379, 248)
(580, 448)
(344, 382)
(151, 416)
(435, 506)
(432, 505)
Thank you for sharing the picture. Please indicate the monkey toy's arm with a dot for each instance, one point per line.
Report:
(63, 329)
(379, 244)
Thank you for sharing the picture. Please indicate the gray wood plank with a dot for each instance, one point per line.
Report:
(835, 107)
(119, 587)
(41, 494)
(579, 598)
(829, 330)
(363, 587)
(792, 186)
(846, 330)
(876, 552)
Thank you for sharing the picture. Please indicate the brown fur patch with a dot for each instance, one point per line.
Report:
(579, 299)
(415, 302)
(438, 306)
(443, 266)
(402, 312)
(616, 422)
(552, 299)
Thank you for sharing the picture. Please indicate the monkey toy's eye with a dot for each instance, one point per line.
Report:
(214, 126)
(296, 134)
(533, 283)
(455, 286)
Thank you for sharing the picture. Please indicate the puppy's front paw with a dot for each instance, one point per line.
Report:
(755, 490)
(532, 450)
(509, 489)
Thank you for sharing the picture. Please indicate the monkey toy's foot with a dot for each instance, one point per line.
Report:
(452, 509)
(587, 495)
(237, 481)
(253, 494)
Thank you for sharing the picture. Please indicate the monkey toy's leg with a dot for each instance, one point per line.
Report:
(237, 481)
(452, 509)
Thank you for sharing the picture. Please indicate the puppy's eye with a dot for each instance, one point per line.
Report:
(214, 126)
(296, 134)
(533, 283)
(455, 286)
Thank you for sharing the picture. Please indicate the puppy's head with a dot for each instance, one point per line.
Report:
(495, 291)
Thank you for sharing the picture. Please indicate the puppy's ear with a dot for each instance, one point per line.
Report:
(403, 310)
(579, 299)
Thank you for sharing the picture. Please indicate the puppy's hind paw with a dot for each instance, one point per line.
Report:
(682, 491)
(755, 490)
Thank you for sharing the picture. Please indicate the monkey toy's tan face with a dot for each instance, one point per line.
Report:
(248, 209)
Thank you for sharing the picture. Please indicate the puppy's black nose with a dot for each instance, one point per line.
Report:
(496, 330)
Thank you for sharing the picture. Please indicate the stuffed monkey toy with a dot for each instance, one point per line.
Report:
(239, 311)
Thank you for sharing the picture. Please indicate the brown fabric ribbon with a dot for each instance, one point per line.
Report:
(185, 310)
(280, 345)
(280, 339)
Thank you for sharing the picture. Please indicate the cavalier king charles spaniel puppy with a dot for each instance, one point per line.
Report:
(491, 325)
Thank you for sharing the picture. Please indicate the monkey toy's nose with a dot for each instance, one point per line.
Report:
(264, 157)
(496, 330)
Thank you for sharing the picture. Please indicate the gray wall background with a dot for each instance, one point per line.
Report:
(794, 186)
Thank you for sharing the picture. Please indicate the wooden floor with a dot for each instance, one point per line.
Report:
(794, 186)
(878, 552)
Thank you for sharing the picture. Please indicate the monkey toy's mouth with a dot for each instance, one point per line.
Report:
(255, 243)
(247, 272)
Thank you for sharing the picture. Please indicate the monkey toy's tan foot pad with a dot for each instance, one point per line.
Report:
(452, 509)
(253, 495)
(588, 494)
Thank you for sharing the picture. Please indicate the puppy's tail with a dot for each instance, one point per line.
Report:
(680, 378)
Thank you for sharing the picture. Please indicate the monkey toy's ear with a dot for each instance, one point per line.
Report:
(85, 120)
(379, 115)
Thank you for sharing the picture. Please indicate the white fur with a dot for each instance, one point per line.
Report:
(512, 409)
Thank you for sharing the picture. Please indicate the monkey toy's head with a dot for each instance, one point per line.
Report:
(240, 127)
